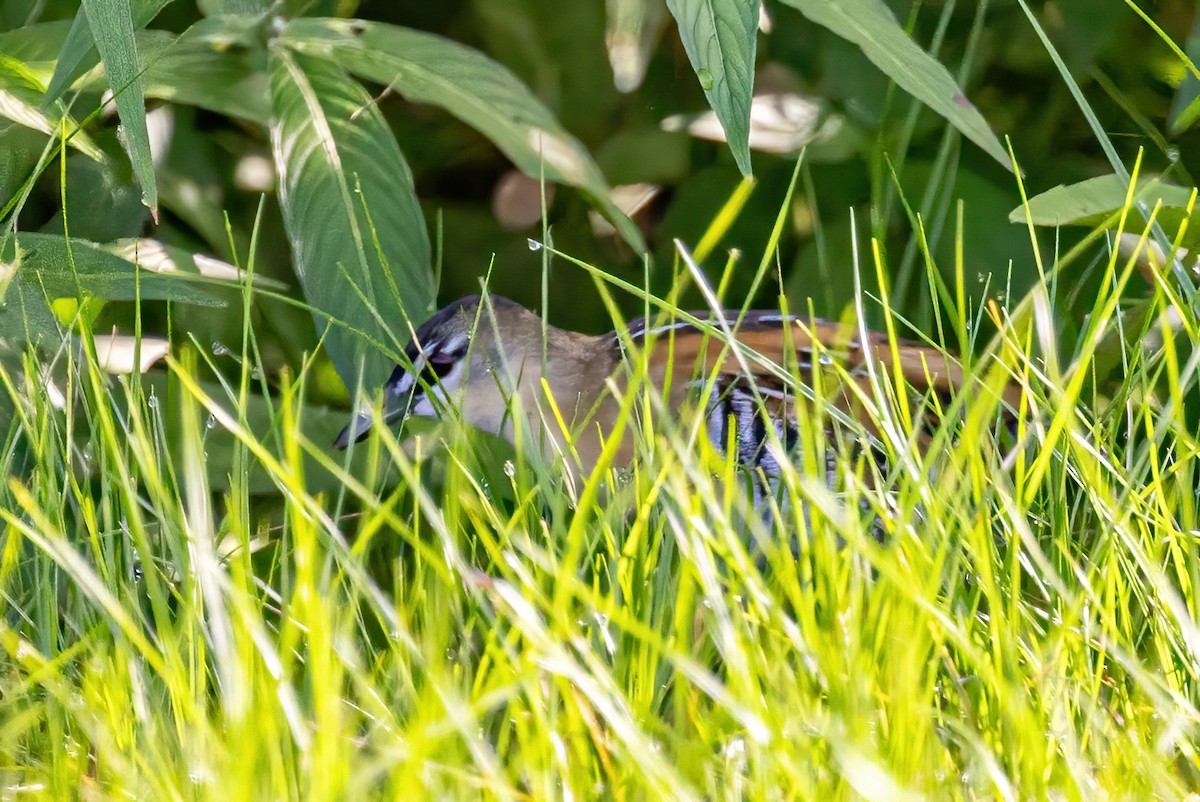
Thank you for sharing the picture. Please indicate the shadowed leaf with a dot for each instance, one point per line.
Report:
(73, 268)
(871, 25)
(482, 93)
(720, 37)
(113, 28)
(358, 238)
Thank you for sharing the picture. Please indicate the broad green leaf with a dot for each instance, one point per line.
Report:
(194, 70)
(20, 99)
(430, 69)
(199, 68)
(36, 46)
(78, 51)
(358, 237)
(1092, 201)
(19, 157)
(25, 318)
(94, 185)
(318, 8)
(631, 28)
(221, 8)
(159, 257)
(720, 38)
(112, 27)
(74, 268)
(871, 26)
(245, 31)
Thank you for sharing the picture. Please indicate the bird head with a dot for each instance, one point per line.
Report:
(458, 359)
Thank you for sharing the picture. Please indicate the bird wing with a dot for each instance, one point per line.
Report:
(682, 355)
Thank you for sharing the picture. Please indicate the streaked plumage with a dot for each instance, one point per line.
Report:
(477, 354)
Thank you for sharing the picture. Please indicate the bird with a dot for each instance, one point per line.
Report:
(491, 359)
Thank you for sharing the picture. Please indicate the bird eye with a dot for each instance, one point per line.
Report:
(439, 365)
(436, 369)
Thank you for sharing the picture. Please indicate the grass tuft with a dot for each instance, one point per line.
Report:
(202, 600)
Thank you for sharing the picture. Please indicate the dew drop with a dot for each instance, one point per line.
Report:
(212, 422)
(152, 401)
(534, 245)
(510, 470)
(219, 349)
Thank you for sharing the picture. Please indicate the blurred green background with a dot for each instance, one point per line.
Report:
(877, 147)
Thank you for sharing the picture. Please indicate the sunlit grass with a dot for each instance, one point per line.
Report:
(203, 600)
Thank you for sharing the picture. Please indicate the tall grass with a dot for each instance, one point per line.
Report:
(202, 600)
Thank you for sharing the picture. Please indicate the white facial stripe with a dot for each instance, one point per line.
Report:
(455, 344)
(423, 408)
(404, 384)
(448, 387)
